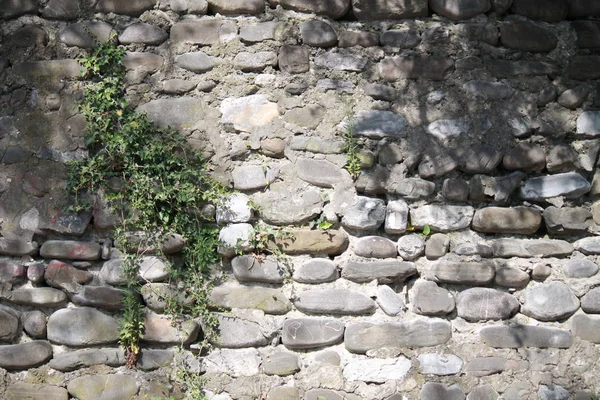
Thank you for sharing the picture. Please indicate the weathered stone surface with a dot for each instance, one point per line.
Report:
(583, 68)
(155, 296)
(426, 67)
(410, 247)
(517, 220)
(380, 92)
(72, 360)
(271, 301)
(152, 269)
(260, 32)
(229, 7)
(234, 332)
(352, 38)
(255, 61)
(526, 157)
(342, 62)
(583, 8)
(17, 247)
(248, 113)
(378, 124)
(334, 9)
(549, 301)
(179, 113)
(105, 297)
(482, 304)
(318, 33)
(32, 391)
(439, 364)
(86, 34)
(481, 159)
(444, 129)
(400, 38)
(98, 387)
(48, 70)
(385, 9)
(439, 391)
(488, 90)
(11, 8)
(396, 218)
(204, 32)
(151, 359)
(561, 157)
(375, 247)
(527, 36)
(552, 392)
(320, 173)
(113, 272)
(70, 250)
(483, 392)
(579, 268)
(64, 276)
(506, 248)
(573, 98)
(334, 301)
(549, 11)
(293, 59)
(427, 298)
(284, 393)
(507, 69)
(142, 32)
(9, 324)
(367, 214)
(278, 362)
(236, 362)
(317, 394)
(35, 324)
(517, 336)
(389, 301)
(377, 370)
(11, 272)
(483, 366)
(235, 208)
(94, 327)
(461, 9)
(388, 271)
(310, 333)
(249, 177)
(437, 246)
(464, 273)
(586, 327)
(25, 355)
(318, 270)
(362, 337)
(510, 277)
(330, 242)
(436, 165)
(442, 218)
(589, 245)
(38, 297)
(248, 268)
(311, 116)
(588, 34)
(588, 123)
(590, 302)
(159, 329)
(197, 61)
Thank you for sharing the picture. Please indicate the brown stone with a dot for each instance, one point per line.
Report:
(293, 59)
(517, 220)
(527, 36)
(330, 242)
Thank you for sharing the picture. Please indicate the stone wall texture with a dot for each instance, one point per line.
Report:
(477, 120)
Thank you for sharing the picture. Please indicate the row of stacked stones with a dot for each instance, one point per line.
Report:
(475, 119)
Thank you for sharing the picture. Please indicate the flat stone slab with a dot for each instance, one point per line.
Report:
(488, 90)
(341, 62)
(517, 220)
(579, 268)
(464, 273)
(588, 123)
(105, 297)
(299, 207)
(483, 304)
(25, 355)
(9, 324)
(426, 298)
(586, 327)
(377, 370)
(508, 69)
(248, 113)
(38, 297)
(159, 329)
(442, 218)
(334, 301)
(235, 333)
(310, 333)
(419, 332)
(177, 112)
(527, 36)
(72, 360)
(506, 248)
(484, 366)
(204, 32)
(143, 33)
(98, 387)
(377, 124)
(236, 362)
(568, 184)
(93, 327)
(318, 270)
(321, 173)
(66, 277)
(248, 268)
(280, 362)
(31, 391)
(517, 336)
(588, 245)
(70, 250)
(375, 247)
(366, 214)
(197, 61)
(444, 129)
(385, 271)
(590, 302)
(439, 364)
(255, 62)
(12, 247)
(49, 70)
(389, 301)
(439, 391)
(426, 67)
(330, 242)
(549, 301)
(271, 301)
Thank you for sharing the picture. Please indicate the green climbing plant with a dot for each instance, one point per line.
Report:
(155, 183)
(351, 147)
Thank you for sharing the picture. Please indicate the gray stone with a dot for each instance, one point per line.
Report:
(573, 98)
(310, 333)
(146, 62)
(517, 220)
(527, 36)
(25, 355)
(481, 159)
(273, 147)
(444, 129)
(472, 249)
(293, 59)
(439, 364)
(342, 62)
(367, 214)
(506, 248)
(38, 297)
(561, 157)
(334, 301)
(284, 393)
(389, 301)
(35, 324)
(12, 9)
(426, 67)
(583, 68)
(97, 387)
(260, 32)
(583, 8)
(517, 336)
(318, 270)
(396, 218)
(318, 242)
(488, 90)
(482, 304)
(313, 144)
(301, 207)
(442, 218)
(113, 272)
(143, 33)
(179, 113)
(522, 126)
(588, 123)
(271, 301)
(436, 165)
(352, 38)
(334, 9)
(197, 61)
(590, 302)
(549, 302)
(235, 208)
(586, 327)
(9, 324)
(400, 38)
(248, 113)
(588, 33)
(541, 271)
(427, 298)
(249, 177)
(234, 332)
(411, 247)
(204, 32)
(337, 85)
(64, 276)
(380, 92)
(549, 11)
(579, 268)
(390, 271)
(17, 247)
(553, 392)
(589, 245)
(248, 268)
(94, 327)
(156, 296)
(320, 173)
(52, 70)
(86, 34)
(463, 273)
(378, 124)
(362, 337)
(437, 246)
(377, 370)
(162, 330)
(487, 33)
(236, 362)
(11, 272)
(72, 360)
(282, 363)
(152, 269)
(70, 250)
(318, 34)
(258, 61)
(61, 9)
(439, 391)
(385, 9)
(104, 297)
(229, 7)
(526, 157)
(32, 391)
(511, 277)
(461, 9)
(508, 69)
(483, 366)
(483, 392)
(517, 391)
(375, 247)
(318, 394)
(309, 117)
(151, 359)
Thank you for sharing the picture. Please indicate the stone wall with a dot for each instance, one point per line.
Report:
(475, 121)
